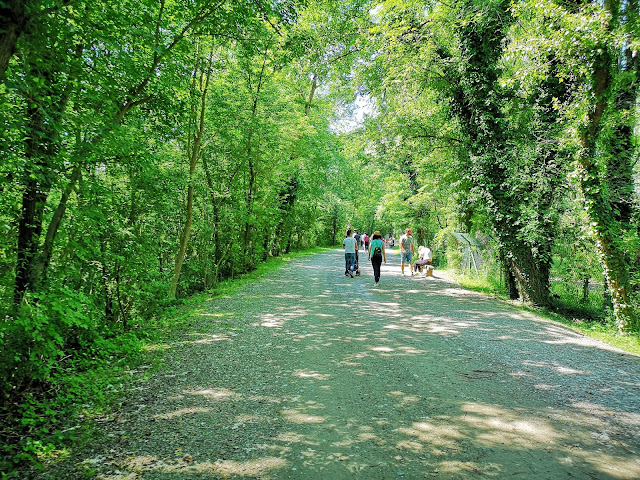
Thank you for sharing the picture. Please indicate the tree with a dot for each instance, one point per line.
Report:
(119, 100)
(454, 53)
(596, 59)
(600, 207)
(198, 94)
(13, 20)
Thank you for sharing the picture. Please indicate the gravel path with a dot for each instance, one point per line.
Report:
(310, 375)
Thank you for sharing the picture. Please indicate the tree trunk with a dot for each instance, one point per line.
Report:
(216, 234)
(334, 225)
(608, 236)
(29, 231)
(216, 214)
(12, 25)
(621, 144)
(194, 149)
(510, 283)
(184, 240)
(606, 227)
(265, 246)
(585, 289)
(40, 266)
(248, 246)
(531, 274)
(37, 183)
(312, 91)
(251, 186)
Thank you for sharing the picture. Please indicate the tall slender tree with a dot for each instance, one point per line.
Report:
(195, 145)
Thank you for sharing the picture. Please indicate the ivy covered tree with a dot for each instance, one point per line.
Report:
(592, 49)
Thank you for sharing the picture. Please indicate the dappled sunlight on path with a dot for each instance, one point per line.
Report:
(319, 376)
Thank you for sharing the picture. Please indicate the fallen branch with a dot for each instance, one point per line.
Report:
(484, 377)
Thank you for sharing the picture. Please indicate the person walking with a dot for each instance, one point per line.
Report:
(350, 248)
(407, 251)
(377, 255)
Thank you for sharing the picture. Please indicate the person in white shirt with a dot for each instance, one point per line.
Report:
(424, 258)
(350, 248)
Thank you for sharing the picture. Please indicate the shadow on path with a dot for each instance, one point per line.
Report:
(308, 374)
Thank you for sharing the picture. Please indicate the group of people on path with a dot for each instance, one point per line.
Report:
(363, 239)
(375, 248)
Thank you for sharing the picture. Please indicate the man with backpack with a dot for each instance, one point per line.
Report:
(377, 255)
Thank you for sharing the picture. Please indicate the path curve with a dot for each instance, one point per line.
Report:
(307, 374)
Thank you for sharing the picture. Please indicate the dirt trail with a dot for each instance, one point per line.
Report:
(310, 375)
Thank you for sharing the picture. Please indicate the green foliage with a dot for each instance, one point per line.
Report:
(487, 283)
(73, 369)
(445, 242)
(36, 338)
(111, 112)
(477, 114)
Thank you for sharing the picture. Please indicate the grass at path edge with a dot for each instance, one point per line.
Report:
(177, 318)
(98, 390)
(605, 332)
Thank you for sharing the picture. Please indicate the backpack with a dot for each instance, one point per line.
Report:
(377, 251)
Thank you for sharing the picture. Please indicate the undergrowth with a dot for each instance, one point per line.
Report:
(49, 418)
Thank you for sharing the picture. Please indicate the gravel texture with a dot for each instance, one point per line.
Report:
(308, 374)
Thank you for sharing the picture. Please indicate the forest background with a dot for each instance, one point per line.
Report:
(153, 149)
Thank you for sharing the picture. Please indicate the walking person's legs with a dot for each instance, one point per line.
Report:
(406, 258)
(351, 261)
(376, 263)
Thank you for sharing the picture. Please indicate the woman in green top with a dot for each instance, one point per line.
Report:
(377, 254)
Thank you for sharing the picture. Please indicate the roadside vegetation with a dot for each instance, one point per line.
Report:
(590, 319)
(87, 393)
